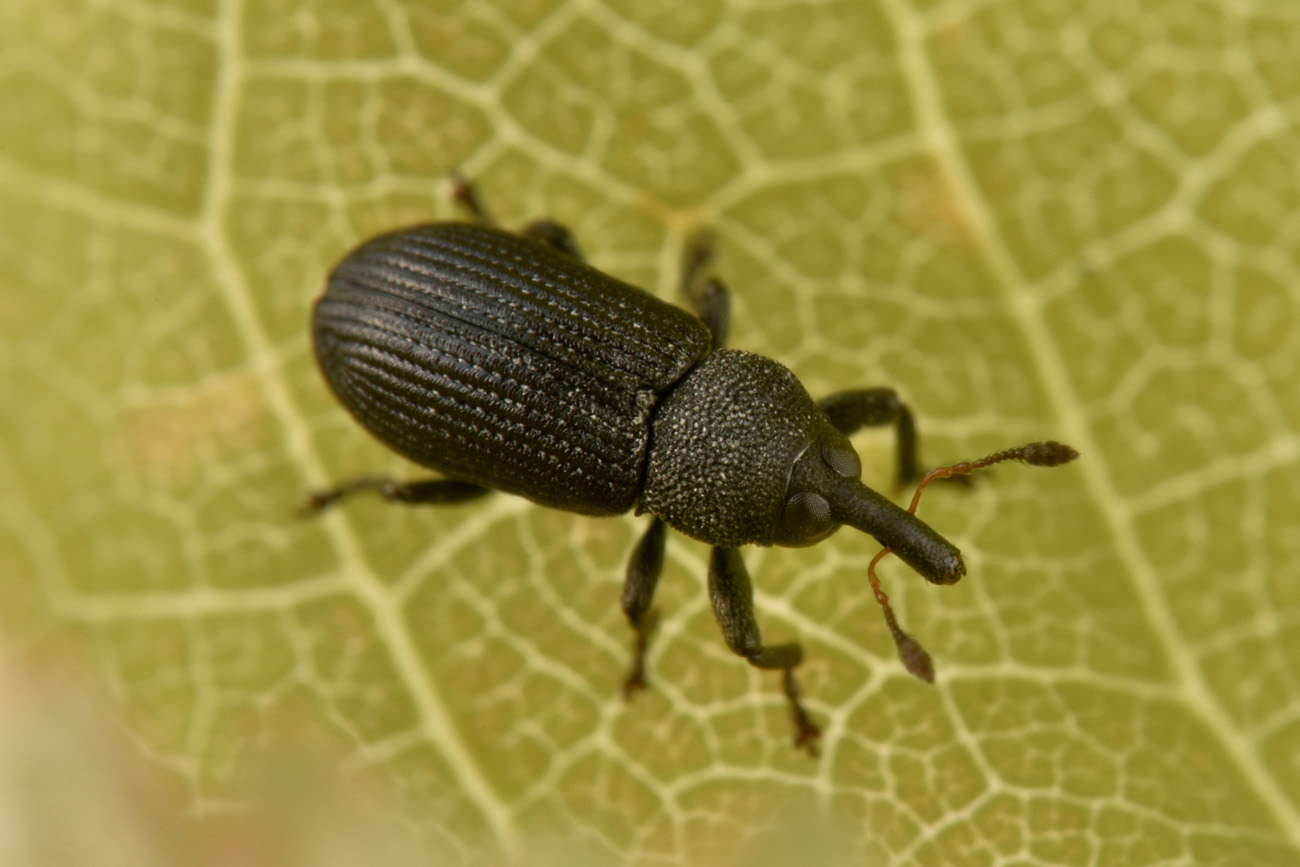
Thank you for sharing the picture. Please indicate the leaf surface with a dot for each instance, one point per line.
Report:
(1035, 219)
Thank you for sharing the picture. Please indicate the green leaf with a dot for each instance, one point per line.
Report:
(1039, 219)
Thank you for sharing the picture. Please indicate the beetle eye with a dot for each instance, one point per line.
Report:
(840, 457)
(808, 515)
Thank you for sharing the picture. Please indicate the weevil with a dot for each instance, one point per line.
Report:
(504, 362)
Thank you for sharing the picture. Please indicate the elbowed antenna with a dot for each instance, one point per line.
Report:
(915, 542)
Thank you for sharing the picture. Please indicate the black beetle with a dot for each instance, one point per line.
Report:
(504, 362)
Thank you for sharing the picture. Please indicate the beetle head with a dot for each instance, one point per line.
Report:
(825, 491)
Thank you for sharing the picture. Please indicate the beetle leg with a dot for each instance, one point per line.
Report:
(430, 492)
(554, 235)
(548, 232)
(713, 305)
(696, 259)
(710, 297)
(732, 596)
(857, 408)
(638, 593)
(464, 194)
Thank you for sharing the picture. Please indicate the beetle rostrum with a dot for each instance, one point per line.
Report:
(504, 362)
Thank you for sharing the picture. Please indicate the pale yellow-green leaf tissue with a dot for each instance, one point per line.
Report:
(1038, 219)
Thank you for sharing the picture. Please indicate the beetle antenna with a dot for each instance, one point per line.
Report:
(915, 658)
(1039, 454)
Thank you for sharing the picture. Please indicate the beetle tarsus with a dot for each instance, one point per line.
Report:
(464, 194)
(320, 499)
(431, 492)
(315, 502)
(807, 734)
(636, 681)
